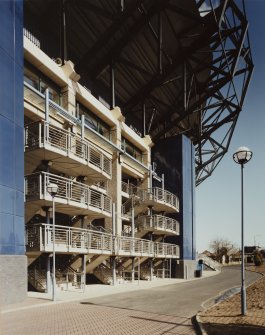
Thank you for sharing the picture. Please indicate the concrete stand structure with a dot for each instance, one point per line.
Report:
(122, 101)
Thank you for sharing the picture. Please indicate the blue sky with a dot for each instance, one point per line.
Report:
(218, 202)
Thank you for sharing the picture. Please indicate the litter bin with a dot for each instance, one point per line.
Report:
(198, 273)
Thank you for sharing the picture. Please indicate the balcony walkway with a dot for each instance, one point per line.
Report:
(68, 152)
(39, 237)
(72, 196)
(157, 224)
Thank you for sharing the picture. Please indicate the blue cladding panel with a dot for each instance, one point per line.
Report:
(7, 85)
(7, 23)
(7, 229)
(7, 200)
(19, 97)
(19, 158)
(19, 231)
(11, 128)
(189, 250)
(175, 158)
(7, 154)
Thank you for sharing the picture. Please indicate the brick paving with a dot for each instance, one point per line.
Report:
(77, 318)
(43, 317)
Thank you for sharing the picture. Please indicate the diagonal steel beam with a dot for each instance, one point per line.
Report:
(122, 42)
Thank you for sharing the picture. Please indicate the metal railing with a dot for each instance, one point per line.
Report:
(158, 222)
(31, 37)
(38, 99)
(129, 245)
(166, 249)
(161, 273)
(37, 278)
(90, 226)
(104, 274)
(36, 188)
(69, 239)
(128, 188)
(101, 185)
(159, 195)
(210, 262)
(41, 134)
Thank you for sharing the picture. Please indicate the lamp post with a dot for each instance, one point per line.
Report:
(53, 189)
(242, 156)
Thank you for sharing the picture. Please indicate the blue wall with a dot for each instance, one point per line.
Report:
(11, 128)
(175, 158)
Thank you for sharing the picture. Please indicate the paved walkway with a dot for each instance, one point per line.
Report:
(38, 315)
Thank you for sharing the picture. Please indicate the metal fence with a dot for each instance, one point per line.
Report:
(36, 188)
(159, 194)
(68, 239)
(41, 134)
(158, 222)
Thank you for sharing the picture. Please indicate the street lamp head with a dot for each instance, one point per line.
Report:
(242, 155)
(52, 188)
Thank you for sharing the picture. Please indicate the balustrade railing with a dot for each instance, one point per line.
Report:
(158, 222)
(67, 238)
(134, 245)
(36, 188)
(210, 262)
(39, 134)
(166, 249)
(128, 188)
(70, 239)
(158, 194)
(38, 99)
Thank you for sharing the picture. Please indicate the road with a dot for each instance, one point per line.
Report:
(182, 299)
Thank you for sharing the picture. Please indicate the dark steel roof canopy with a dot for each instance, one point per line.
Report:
(173, 66)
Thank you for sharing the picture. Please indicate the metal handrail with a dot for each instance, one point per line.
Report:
(53, 105)
(165, 249)
(159, 194)
(210, 262)
(40, 134)
(158, 222)
(36, 188)
(134, 245)
(161, 273)
(128, 188)
(69, 238)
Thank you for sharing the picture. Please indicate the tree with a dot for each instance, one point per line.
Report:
(221, 248)
(257, 258)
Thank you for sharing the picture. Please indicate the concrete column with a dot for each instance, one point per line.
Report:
(69, 92)
(48, 274)
(68, 99)
(83, 280)
(133, 265)
(151, 269)
(113, 264)
(115, 185)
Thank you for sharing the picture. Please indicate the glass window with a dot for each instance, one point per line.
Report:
(31, 78)
(94, 122)
(37, 80)
(131, 149)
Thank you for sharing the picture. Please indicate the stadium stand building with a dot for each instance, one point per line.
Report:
(122, 106)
